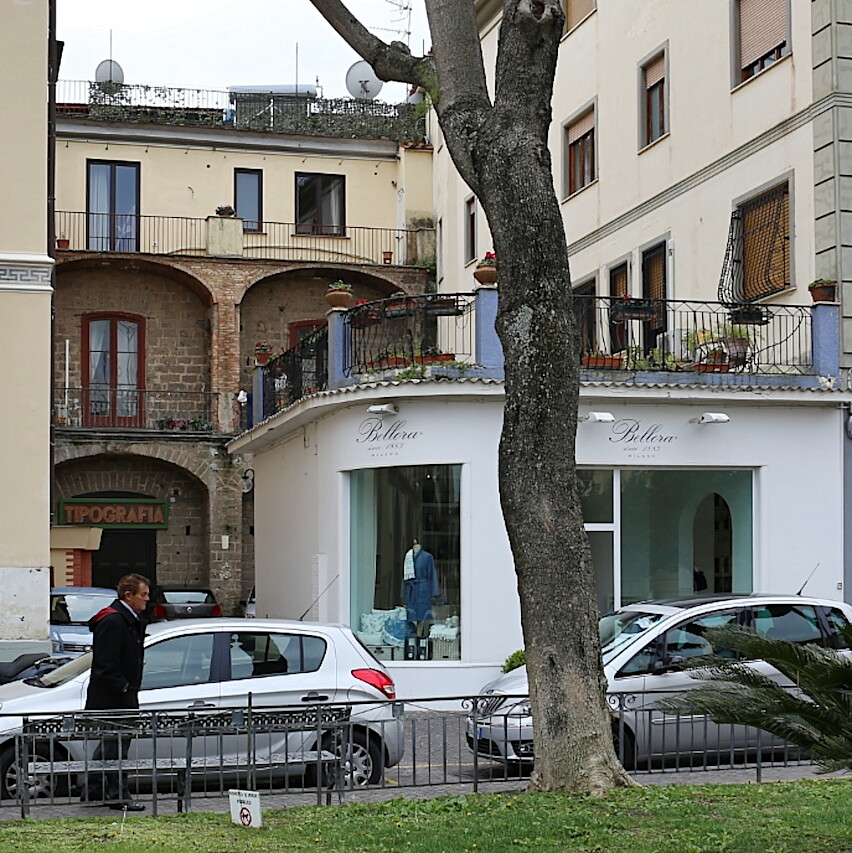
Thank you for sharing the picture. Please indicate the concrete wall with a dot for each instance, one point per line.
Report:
(24, 333)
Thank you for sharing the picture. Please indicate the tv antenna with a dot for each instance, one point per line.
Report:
(362, 82)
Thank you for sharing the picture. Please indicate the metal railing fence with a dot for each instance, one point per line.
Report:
(472, 742)
(703, 337)
(300, 370)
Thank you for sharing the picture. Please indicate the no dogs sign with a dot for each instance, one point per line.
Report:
(245, 808)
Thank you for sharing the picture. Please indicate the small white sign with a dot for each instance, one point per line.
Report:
(245, 808)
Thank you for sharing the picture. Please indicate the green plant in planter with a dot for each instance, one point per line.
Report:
(516, 659)
(340, 285)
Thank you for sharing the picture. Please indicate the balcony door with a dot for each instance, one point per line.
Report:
(112, 206)
(113, 347)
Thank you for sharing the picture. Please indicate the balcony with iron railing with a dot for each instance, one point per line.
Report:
(255, 111)
(128, 409)
(628, 341)
(217, 236)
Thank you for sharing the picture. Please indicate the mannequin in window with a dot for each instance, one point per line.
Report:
(419, 585)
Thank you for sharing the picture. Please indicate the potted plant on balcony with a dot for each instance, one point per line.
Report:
(339, 294)
(486, 269)
(629, 307)
(62, 242)
(822, 290)
(602, 361)
(441, 304)
(225, 210)
(400, 304)
(262, 353)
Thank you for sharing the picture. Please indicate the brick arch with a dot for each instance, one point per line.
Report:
(188, 460)
(170, 269)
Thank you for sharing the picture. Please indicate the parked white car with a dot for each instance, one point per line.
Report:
(204, 664)
(646, 648)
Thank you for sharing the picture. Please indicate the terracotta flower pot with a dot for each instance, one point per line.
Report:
(261, 358)
(823, 292)
(486, 274)
(62, 243)
(338, 298)
(604, 362)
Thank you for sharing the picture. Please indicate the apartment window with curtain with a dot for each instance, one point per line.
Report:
(321, 204)
(576, 11)
(765, 243)
(469, 230)
(112, 206)
(248, 198)
(113, 370)
(580, 145)
(654, 108)
(764, 34)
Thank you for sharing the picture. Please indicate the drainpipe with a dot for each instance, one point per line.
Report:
(54, 57)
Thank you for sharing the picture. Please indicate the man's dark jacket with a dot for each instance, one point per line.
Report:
(117, 649)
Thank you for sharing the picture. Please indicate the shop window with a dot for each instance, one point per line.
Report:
(248, 198)
(321, 205)
(113, 359)
(112, 206)
(764, 34)
(405, 561)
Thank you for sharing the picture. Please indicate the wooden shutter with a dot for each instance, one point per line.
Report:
(763, 26)
(582, 126)
(655, 71)
(766, 244)
(576, 10)
(654, 273)
(618, 281)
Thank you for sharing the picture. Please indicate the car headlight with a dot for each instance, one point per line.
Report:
(523, 708)
(56, 645)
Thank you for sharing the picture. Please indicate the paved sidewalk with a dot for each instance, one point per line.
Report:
(71, 808)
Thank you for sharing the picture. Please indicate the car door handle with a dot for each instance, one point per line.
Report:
(313, 696)
(199, 704)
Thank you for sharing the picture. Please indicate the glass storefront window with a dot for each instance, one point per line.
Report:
(405, 561)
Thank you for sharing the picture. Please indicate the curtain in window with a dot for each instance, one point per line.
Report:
(99, 368)
(98, 217)
(763, 27)
(127, 368)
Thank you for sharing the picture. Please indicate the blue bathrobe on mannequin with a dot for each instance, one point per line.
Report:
(419, 583)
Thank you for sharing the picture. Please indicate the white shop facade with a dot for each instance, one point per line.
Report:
(686, 490)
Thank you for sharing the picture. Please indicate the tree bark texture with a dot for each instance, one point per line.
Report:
(501, 151)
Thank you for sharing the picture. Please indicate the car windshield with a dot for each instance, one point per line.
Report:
(77, 608)
(618, 629)
(65, 672)
(188, 596)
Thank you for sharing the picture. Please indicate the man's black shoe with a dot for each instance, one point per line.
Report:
(129, 806)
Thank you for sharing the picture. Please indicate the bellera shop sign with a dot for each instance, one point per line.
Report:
(111, 512)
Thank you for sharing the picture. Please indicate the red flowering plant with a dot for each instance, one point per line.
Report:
(490, 260)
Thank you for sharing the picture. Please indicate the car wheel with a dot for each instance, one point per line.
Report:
(627, 757)
(363, 759)
(40, 784)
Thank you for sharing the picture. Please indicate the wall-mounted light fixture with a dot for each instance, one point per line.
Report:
(710, 418)
(598, 417)
(383, 409)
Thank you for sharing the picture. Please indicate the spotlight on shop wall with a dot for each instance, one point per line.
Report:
(598, 417)
(383, 409)
(710, 418)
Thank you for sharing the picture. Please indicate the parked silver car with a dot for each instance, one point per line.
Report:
(207, 664)
(71, 608)
(646, 648)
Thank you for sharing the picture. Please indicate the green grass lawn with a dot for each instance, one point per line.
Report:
(769, 818)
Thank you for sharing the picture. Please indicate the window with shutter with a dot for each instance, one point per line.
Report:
(654, 79)
(580, 145)
(764, 28)
(576, 11)
(765, 252)
(618, 289)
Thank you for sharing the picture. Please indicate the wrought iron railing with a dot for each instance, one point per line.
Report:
(410, 332)
(300, 370)
(273, 112)
(103, 407)
(286, 241)
(701, 337)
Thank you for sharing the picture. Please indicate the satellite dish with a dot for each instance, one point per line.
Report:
(362, 82)
(109, 71)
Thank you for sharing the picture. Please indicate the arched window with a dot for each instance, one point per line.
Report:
(113, 370)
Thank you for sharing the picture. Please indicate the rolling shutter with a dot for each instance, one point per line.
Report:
(763, 26)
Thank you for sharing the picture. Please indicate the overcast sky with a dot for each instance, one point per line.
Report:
(214, 44)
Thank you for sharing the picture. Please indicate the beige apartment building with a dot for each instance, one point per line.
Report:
(25, 293)
(197, 234)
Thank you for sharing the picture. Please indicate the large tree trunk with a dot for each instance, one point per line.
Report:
(501, 152)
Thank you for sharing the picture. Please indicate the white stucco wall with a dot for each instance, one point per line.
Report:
(791, 441)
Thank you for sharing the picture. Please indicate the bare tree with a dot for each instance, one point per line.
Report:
(500, 149)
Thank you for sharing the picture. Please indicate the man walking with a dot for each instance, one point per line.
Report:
(118, 635)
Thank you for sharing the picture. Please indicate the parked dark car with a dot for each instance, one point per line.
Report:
(183, 602)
